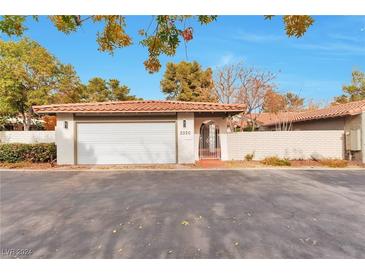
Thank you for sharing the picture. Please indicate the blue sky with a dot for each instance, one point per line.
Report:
(315, 66)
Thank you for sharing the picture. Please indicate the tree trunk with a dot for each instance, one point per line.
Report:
(241, 123)
(253, 125)
(27, 120)
(24, 122)
(230, 123)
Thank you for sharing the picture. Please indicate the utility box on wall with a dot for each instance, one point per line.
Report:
(353, 140)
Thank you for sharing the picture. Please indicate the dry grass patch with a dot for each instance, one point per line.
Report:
(305, 163)
(242, 164)
(276, 161)
(334, 163)
(26, 165)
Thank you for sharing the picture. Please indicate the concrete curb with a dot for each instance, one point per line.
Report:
(185, 169)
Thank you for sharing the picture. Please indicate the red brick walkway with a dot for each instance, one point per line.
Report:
(210, 163)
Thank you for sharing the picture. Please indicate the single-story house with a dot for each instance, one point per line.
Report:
(46, 122)
(140, 132)
(348, 117)
(16, 124)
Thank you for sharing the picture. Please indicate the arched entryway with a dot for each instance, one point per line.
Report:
(209, 141)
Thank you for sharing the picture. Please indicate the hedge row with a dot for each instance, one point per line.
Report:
(35, 153)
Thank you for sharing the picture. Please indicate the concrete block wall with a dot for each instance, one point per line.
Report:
(27, 137)
(286, 144)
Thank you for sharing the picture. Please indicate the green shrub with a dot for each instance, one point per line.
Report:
(275, 161)
(35, 153)
(249, 157)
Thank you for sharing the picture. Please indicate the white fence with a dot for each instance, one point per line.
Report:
(287, 144)
(27, 137)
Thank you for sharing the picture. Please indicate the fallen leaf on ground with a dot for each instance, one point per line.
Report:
(185, 223)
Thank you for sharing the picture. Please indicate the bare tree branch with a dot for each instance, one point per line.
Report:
(236, 84)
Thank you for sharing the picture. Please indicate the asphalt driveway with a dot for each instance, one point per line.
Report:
(182, 214)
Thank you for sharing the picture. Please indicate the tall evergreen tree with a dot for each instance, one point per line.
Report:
(355, 91)
(187, 81)
(100, 90)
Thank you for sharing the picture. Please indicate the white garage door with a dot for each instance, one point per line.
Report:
(126, 143)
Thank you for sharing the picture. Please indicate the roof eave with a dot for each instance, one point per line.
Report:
(312, 119)
(129, 112)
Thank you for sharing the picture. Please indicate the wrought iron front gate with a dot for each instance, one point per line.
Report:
(209, 142)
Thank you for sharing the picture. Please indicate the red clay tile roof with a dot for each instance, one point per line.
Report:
(139, 107)
(339, 110)
(273, 118)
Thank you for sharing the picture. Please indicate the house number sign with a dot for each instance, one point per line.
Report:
(185, 132)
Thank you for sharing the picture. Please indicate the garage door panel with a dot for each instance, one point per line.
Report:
(131, 139)
(126, 143)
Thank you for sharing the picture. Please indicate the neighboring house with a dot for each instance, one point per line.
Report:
(257, 121)
(46, 122)
(140, 132)
(16, 124)
(348, 117)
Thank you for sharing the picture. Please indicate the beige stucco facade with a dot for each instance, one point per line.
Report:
(188, 127)
(65, 139)
(187, 132)
(185, 138)
(323, 124)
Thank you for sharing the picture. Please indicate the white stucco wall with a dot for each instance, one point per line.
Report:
(27, 137)
(65, 139)
(185, 138)
(221, 123)
(287, 144)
